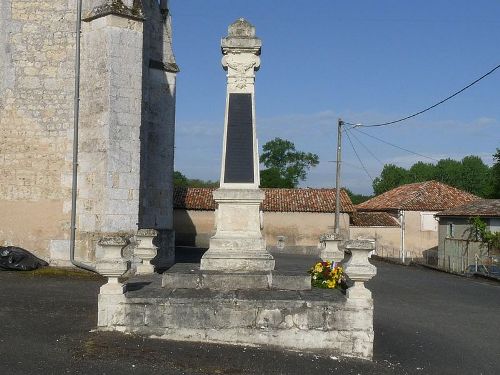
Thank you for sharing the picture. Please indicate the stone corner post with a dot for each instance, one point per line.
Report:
(145, 250)
(111, 264)
(359, 269)
(330, 247)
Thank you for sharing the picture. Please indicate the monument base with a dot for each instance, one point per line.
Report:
(238, 244)
(318, 321)
(189, 276)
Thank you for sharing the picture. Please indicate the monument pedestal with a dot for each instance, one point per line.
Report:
(237, 245)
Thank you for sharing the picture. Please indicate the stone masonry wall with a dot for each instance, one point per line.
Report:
(37, 54)
(36, 112)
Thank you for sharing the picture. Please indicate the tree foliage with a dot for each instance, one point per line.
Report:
(470, 174)
(285, 166)
(390, 178)
(494, 191)
(183, 181)
(478, 231)
(357, 198)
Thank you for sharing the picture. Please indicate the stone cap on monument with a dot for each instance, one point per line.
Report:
(241, 35)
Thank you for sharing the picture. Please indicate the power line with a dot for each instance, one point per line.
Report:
(364, 146)
(428, 108)
(393, 145)
(359, 159)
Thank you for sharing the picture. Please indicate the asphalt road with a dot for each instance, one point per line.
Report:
(426, 322)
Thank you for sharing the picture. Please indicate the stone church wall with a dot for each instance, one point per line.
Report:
(36, 112)
(127, 102)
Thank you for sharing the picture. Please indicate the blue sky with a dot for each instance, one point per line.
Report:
(363, 61)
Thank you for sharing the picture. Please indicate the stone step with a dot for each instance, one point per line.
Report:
(189, 276)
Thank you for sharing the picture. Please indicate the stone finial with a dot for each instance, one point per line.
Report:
(330, 243)
(359, 269)
(145, 250)
(241, 50)
(111, 264)
(241, 28)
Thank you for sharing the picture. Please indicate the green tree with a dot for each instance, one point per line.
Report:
(420, 172)
(494, 186)
(357, 198)
(390, 178)
(285, 166)
(449, 172)
(475, 176)
(181, 180)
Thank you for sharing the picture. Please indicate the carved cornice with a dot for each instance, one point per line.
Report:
(117, 8)
(241, 50)
(165, 66)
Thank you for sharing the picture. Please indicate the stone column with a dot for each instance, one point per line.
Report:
(359, 269)
(238, 244)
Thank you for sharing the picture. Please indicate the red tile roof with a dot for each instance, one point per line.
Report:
(481, 207)
(373, 219)
(420, 196)
(276, 200)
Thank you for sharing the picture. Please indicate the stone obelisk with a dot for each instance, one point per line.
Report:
(238, 245)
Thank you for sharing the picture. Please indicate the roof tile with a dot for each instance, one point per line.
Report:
(481, 207)
(373, 219)
(276, 200)
(420, 196)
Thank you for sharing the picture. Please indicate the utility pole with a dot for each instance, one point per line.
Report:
(337, 179)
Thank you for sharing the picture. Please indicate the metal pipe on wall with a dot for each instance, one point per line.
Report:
(76, 107)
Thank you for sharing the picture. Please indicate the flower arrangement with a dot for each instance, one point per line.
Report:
(327, 275)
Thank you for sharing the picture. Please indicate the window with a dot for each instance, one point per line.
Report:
(450, 230)
(428, 222)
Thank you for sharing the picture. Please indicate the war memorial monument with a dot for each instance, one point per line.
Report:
(236, 295)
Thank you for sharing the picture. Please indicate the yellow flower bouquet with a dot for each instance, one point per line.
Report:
(327, 275)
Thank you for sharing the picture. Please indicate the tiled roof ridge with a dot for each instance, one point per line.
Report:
(425, 195)
(276, 199)
(421, 191)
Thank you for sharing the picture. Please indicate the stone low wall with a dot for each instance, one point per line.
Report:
(288, 232)
(320, 321)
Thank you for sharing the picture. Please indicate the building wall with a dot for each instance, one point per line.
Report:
(455, 251)
(418, 242)
(120, 129)
(299, 229)
(387, 239)
(36, 112)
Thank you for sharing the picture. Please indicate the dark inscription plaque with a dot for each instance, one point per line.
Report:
(239, 141)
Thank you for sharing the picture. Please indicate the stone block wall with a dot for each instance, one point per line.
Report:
(315, 321)
(36, 112)
(37, 55)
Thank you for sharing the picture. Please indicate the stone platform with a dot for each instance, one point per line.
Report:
(189, 276)
(318, 320)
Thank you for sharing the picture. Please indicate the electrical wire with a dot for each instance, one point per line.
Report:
(359, 159)
(366, 148)
(428, 108)
(393, 145)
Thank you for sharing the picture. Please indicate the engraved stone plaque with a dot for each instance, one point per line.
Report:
(239, 166)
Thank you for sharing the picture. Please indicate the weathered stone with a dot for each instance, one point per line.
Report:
(359, 269)
(145, 250)
(127, 118)
(307, 323)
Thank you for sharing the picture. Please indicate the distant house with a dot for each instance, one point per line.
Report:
(457, 246)
(380, 226)
(293, 218)
(414, 206)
